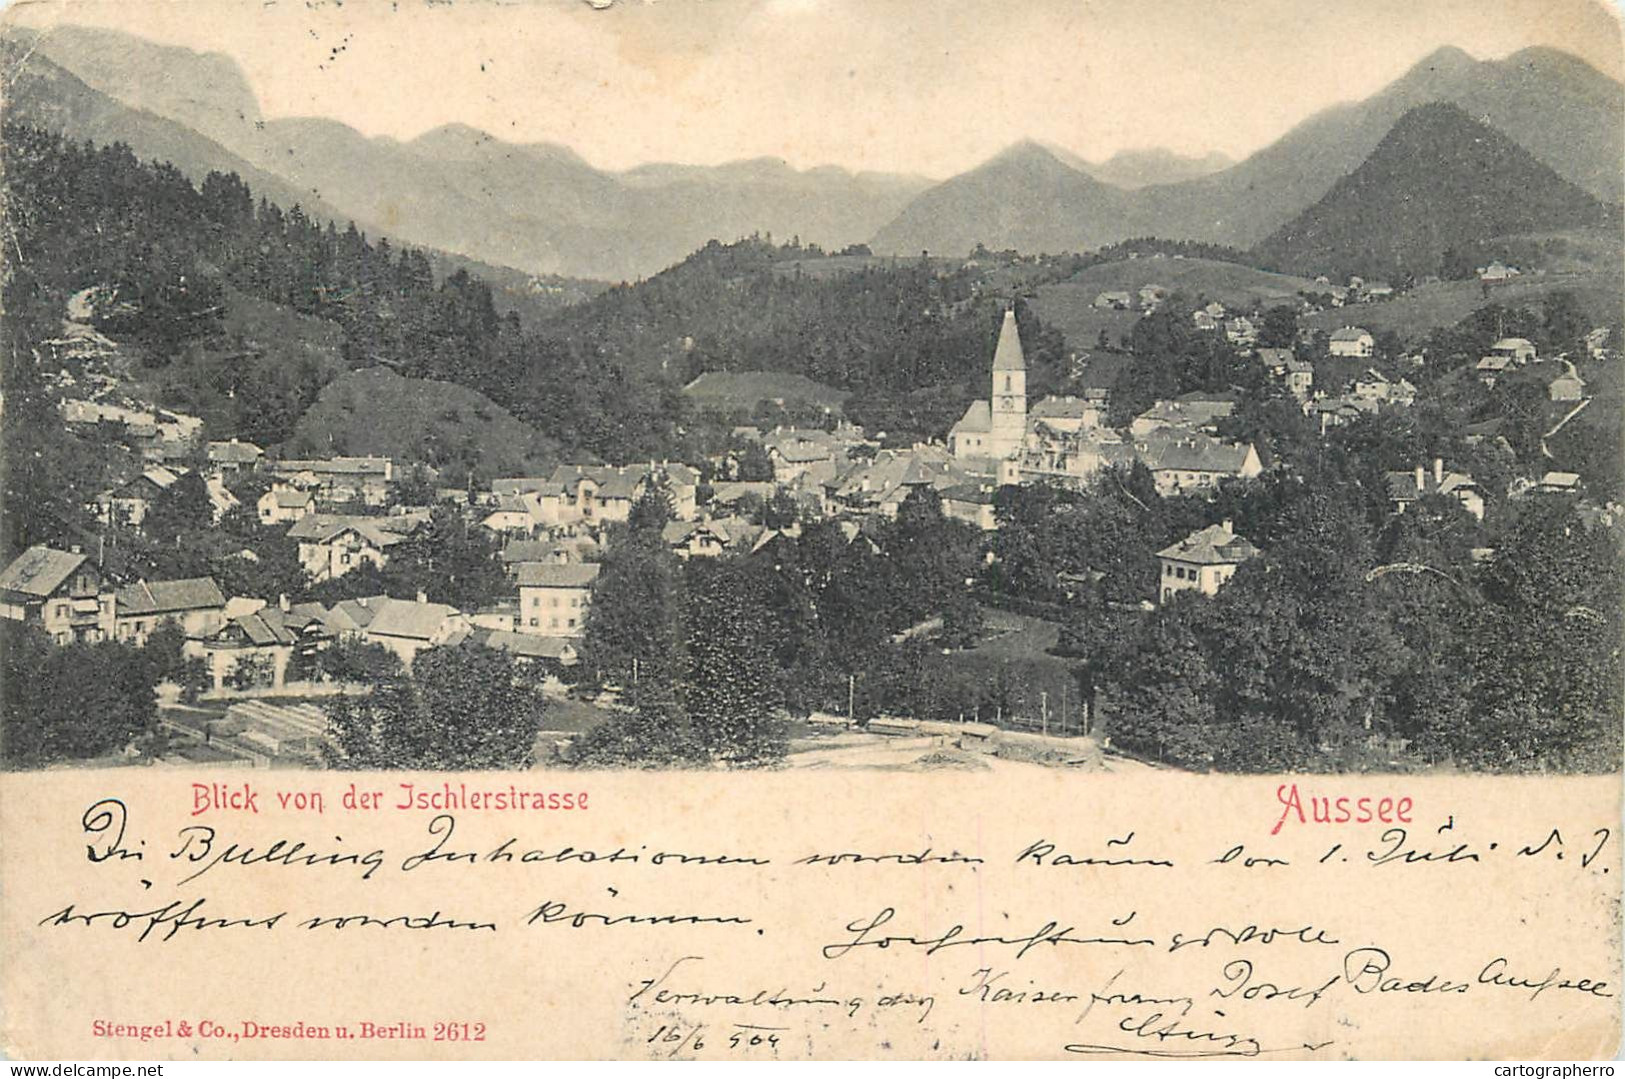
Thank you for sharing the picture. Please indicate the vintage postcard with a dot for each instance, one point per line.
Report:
(811, 529)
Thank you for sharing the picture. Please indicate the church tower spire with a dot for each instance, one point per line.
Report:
(1009, 397)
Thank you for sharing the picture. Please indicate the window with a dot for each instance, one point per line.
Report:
(1167, 570)
(535, 622)
(1006, 383)
(572, 623)
(344, 560)
(552, 601)
(535, 601)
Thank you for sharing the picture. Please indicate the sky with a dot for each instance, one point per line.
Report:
(921, 86)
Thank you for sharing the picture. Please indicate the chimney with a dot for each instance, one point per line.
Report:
(1230, 526)
(282, 602)
(1421, 481)
(423, 597)
(1438, 471)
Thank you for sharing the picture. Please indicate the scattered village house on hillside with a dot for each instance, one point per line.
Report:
(1185, 463)
(706, 538)
(367, 480)
(331, 546)
(972, 503)
(1192, 412)
(1520, 350)
(1568, 386)
(1115, 300)
(234, 456)
(554, 598)
(601, 493)
(1352, 342)
(1203, 561)
(129, 504)
(60, 592)
(1405, 489)
(195, 604)
(285, 503)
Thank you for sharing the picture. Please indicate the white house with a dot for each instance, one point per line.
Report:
(1352, 342)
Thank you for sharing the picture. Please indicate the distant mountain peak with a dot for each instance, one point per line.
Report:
(1445, 58)
(1439, 180)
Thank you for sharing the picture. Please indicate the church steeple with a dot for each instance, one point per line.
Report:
(1009, 397)
(1008, 356)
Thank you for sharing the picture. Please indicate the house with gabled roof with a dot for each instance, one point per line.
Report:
(61, 592)
(131, 502)
(342, 479)
(233, 455)
(1352, 342)
(195, 604)
(407, 627)
(332, 545)
(705, 538)
(1203, 561)
(554, 597)
(285, 503)
(1191, 462)
(1405, 489)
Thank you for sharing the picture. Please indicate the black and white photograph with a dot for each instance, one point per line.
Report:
(812, 384)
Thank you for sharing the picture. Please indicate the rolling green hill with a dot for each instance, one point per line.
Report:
(455, 429)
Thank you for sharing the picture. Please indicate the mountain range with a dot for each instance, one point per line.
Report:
(541, 208)
(538, 207)
(1564, 112)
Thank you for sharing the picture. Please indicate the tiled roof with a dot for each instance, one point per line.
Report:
(39, 571)
(1194, 454)
(160, 597)
(293, 498)
(379, 531)
(1349, 333)
(553, 575)
(337, 466)
(405, 618)
(265, 627)
(357, 612)
(978, 419)
(526, 644)
(1213, 545)
(529, 551)
(234, 452)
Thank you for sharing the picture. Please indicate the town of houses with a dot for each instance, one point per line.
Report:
(345, 512)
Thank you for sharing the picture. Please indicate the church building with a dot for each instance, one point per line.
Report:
(997, 428)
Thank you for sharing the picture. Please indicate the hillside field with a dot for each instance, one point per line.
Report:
(1445, 303)
(1069, 305)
